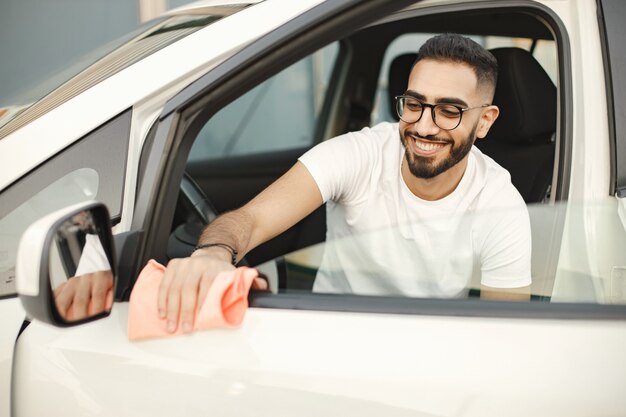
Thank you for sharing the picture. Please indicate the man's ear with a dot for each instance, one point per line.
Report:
(488, 116)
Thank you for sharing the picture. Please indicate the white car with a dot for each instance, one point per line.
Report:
(207, 105)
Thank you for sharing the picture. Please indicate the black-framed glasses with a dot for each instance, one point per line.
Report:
(445, 116)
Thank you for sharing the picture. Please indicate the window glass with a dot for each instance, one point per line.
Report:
(391, 259)
(278, 114)
(586, 265)
(75, 187)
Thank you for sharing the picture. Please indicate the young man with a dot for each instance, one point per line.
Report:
(404, 188)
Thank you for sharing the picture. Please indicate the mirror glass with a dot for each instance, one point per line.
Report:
(80, 272)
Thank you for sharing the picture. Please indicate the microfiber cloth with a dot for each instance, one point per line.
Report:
(224, 306)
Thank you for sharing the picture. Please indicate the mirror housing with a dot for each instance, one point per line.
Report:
(65, 270)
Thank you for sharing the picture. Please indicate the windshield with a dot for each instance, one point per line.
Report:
(577, 256)
(27, 94)
(18, 109)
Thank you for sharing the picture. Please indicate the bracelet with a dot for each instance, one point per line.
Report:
(233, 251)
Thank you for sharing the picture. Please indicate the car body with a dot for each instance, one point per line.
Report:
(125, 130)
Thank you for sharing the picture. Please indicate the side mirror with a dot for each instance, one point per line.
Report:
(65, 272)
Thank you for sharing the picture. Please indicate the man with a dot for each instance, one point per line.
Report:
(395, 178)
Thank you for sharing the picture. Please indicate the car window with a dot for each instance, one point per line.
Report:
(91, 169)
(362, 93)
(592, 272)
(278, 114)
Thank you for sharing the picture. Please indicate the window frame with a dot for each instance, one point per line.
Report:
(614, 52)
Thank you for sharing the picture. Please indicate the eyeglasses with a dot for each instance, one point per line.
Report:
(445, 116)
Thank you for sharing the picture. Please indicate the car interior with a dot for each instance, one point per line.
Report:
(524, 139)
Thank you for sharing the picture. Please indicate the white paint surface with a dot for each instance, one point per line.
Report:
(285, 363)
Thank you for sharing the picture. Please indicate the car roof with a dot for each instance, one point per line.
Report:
(210, 6)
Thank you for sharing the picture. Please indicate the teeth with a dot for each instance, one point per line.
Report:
(428, 146)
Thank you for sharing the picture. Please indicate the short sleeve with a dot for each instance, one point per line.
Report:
(341, 166)
(506, 248)
(93, 258)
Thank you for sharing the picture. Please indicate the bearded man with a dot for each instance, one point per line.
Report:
(412, 208)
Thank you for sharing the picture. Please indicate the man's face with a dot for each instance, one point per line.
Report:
(430, 150)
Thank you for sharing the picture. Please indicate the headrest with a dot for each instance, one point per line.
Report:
(398, 80)
(526, 97)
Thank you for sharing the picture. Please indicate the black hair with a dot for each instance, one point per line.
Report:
(457, 48)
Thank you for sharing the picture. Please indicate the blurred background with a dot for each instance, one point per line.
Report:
(41, 39)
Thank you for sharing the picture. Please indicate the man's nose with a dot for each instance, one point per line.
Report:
(426, 125)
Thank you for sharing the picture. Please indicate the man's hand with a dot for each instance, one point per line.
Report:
(186, 281)
(281, 205)
(84, 296)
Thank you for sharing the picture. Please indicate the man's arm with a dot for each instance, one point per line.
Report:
(281, 205)
(505, 294)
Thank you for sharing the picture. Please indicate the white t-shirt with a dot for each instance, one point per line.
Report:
(384, 240)
(93, 258)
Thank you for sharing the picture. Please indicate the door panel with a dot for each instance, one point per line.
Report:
(285, 363)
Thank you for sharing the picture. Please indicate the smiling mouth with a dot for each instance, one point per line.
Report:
(425, 146)
(429, 146)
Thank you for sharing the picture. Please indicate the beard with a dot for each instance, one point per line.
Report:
(425, 167)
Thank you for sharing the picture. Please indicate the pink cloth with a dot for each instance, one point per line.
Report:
(224, 306)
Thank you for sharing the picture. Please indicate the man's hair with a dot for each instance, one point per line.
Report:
(457, 48)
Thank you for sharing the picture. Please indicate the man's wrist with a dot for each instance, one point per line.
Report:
(221, 250)
(215, 253)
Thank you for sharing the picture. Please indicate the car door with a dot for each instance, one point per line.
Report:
(314, 354)
(77, 143)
